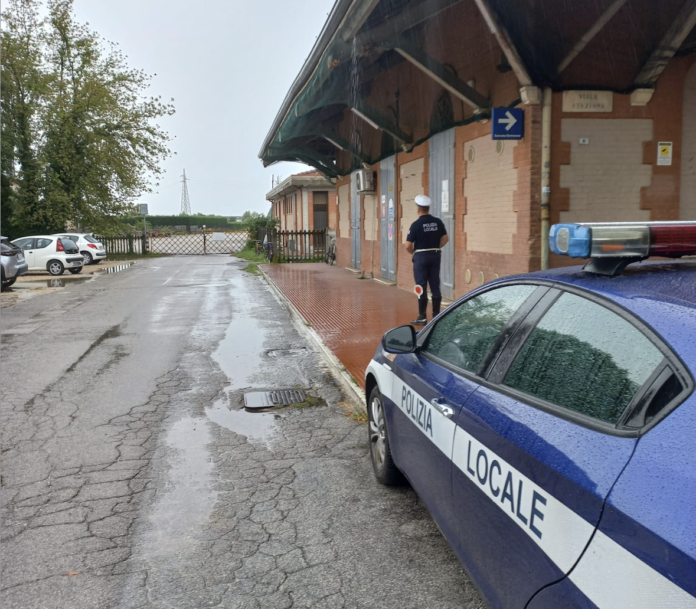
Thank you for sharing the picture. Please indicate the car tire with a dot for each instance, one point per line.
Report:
(75, 271)
(87, 257)
(6, 283)
(383, 464)
(55, 267)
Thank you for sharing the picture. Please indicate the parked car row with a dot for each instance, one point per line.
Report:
(52, 253)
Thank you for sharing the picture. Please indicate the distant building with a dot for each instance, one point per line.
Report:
(303, 201)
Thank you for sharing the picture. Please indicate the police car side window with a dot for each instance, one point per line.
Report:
(464, 335)
(584, 357)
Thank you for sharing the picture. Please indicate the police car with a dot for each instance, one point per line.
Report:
(548, 422)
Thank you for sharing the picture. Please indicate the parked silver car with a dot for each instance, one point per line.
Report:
(13, 262)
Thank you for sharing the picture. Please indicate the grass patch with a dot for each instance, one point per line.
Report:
(308, 403)
(250, 255)
(252, 268)
(112, 257)
(360, 417)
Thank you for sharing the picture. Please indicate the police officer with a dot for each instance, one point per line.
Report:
(425, 240)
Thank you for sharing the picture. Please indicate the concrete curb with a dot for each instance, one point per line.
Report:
(354, 391)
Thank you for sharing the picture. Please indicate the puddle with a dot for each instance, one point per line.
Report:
(239, 353)
(183, 510)
(288, 352)
(253, 425)
(55, 282)
(114, 269)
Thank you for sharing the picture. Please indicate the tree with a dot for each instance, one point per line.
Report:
(24, 85)
(94, 141)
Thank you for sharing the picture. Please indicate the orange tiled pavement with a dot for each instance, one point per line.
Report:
(349, 314)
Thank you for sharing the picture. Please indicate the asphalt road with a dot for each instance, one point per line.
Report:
(131, 477)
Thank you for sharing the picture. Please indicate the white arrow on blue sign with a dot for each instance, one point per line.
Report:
(508, 124)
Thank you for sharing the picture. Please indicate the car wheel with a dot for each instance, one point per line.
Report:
(6, 283)
(55, 267)
(87, 258)
(75, 271)
(383, 465)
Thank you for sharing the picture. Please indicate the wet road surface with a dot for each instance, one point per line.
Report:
(132, 477)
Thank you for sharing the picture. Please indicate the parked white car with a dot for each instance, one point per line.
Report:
(50, 253)
(92, 250)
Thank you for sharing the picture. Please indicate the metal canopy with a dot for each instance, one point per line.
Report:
(618, 45)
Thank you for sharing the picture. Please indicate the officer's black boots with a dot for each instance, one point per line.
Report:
(421, 320)
(437, 302)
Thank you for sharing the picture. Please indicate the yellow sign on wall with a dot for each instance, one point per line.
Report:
(664, 153)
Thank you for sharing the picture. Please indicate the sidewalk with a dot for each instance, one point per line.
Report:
(349, 314)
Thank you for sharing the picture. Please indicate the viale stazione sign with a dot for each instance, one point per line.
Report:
(588, 101)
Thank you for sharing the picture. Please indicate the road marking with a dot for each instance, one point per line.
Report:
(172, 277)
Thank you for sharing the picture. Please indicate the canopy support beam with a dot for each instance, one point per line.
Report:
(333, 138)
(380, 122)
(444, 77)
(588, 36)
(505, 42)
(669, 45)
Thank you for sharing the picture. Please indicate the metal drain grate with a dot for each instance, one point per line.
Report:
(279, 397)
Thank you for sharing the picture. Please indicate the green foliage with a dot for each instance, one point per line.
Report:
(253, 221)
(80, 139)
(188, 221)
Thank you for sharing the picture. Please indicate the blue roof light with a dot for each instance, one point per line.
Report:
(571, 240)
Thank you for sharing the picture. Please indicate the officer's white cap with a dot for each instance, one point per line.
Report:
(423, 201)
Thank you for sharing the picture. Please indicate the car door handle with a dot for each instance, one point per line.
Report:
(442, 408)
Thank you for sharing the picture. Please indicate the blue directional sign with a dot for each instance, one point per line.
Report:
(508, 123)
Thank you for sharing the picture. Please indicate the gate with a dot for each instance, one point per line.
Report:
(355, 228)
(442, 196)
(296, 245)
(387, 215)
(173, 244)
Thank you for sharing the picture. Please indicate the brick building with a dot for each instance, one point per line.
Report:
(406, 89)
(303, 201)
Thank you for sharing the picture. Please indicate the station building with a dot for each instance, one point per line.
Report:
(304, 202)
(403, 97)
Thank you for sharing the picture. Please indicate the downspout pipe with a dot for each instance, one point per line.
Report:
(545, 176)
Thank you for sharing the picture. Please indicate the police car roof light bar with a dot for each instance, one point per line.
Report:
(611, 246)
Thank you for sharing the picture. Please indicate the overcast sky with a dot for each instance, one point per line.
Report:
(228, 65)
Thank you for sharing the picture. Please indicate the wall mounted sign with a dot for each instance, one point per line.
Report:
(588, 101)
(445, 196)
(384, 206)
(508, 124)
(664, 153)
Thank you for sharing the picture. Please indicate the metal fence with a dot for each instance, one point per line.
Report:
(172, 244)
(295, 246)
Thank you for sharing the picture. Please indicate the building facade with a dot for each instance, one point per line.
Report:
(608, 101)
(303, 202)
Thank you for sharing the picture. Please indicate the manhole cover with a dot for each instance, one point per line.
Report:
(279, 397)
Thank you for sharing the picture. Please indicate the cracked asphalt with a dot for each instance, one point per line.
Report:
(132, 476)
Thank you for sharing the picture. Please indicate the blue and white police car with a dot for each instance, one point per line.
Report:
(548, 422)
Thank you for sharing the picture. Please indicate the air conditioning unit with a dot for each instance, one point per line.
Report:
(366, 180)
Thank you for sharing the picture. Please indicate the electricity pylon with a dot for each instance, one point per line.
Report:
(185, 203)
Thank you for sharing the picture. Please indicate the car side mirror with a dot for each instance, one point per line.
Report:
(400, 340)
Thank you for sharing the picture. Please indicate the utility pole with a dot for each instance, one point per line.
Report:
(185, 203)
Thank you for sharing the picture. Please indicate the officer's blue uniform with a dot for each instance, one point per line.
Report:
(425, 234)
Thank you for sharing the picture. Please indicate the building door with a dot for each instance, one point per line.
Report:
(442, 195)
(387, 216)
(321, 209)
(355, 230)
